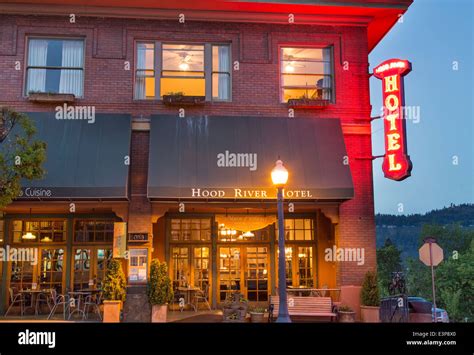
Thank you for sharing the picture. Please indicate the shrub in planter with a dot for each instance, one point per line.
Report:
(345, 314)
(159, 291)
(370, 298)
(257, 314)
(113, 291)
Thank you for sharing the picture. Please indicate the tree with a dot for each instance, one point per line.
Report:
(370, 295)
(159, 290)
(21, 156)
(388, 261)
(114, 284)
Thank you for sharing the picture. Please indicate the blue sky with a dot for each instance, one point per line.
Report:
(433, 36)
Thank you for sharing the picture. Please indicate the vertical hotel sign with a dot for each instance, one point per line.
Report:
(120, 239)
(396, 164)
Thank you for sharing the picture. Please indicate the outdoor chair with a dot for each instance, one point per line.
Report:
(202, 296)
(94, 302)
(58, 300)
(43, 298)
(16, 298)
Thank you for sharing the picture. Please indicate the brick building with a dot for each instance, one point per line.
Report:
(162, 92)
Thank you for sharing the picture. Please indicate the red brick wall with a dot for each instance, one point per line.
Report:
(255, 91)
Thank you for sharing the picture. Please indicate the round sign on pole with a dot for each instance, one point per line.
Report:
(436, 254)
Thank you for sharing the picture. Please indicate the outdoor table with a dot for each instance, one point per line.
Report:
(79, 298)
(189, 291)
(34, 297)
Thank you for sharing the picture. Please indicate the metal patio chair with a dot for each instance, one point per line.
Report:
(59, 300)
(94, 302)
(16, 298)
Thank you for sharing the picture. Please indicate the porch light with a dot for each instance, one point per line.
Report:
(28, 236)
(279, 174)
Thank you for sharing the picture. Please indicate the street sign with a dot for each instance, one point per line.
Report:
(436, 254)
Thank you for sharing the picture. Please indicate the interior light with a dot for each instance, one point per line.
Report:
(46, 239)
(184, 66)
(28, 236)
(289, 68)
(248, 234)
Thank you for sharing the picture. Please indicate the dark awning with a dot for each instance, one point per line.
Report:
(185, 154)
(84, 160)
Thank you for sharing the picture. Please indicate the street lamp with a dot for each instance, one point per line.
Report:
(279, 178)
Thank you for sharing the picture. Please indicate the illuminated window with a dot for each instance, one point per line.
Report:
(55, 66)
(43, 231)
(198, 229)
(298, 229)
(182, 69)
(306, 73)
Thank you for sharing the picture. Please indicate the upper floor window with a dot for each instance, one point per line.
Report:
(93, 231)
(44, 231)
(55, 66)
(187, 69)
(306, 73)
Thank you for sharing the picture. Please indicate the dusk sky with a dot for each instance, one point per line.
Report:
(435, 36)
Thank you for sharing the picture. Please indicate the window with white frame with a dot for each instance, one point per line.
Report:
(55, 66)
(306, 73)
(186, 69)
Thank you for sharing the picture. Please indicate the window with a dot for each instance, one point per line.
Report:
(55, 66)
(90, 265)
(51, 269)
(306, 73)
(2, 223)
(46, 231)
(183, 70)
(93, 231)
(298, 229)
(198, 229)
(82, 266)
(187, 69)
(145, 72)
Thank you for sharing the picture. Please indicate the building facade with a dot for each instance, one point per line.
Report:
(170, 120)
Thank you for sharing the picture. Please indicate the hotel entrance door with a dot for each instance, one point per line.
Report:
(244, 269)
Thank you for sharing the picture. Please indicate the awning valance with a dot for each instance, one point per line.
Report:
(218, 158)
(85, 159)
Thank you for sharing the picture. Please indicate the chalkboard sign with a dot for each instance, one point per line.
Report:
(138, 237)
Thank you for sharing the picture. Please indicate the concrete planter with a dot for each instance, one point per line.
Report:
(112, 311)
(256, 317)
(158, 313)
(370, 314)
(346, 317)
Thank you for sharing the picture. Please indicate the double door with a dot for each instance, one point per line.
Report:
(244, 269)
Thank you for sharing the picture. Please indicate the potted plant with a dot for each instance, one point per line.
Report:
(370, 298)
(114, 291)
(307, 102)
(345, 314)
(50, 97)
(159, 291)
(179, 98)
(257, 314)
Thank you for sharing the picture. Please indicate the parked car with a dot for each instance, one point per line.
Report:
(421, 305)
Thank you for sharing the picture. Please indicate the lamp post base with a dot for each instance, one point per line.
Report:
(283, 319)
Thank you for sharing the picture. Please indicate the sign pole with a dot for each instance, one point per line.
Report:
(433, 280)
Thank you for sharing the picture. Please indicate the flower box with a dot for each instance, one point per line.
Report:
(51, 97)
(183, 100)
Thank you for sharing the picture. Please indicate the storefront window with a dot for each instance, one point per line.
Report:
(306, 73)
(180, 266)
(51, 269)
(44, 231)
(21, 275)
(201, 267)
(93, 231)
(103, 258)
(298, 229)
(138, 265)
(82, 266)
(191, 229)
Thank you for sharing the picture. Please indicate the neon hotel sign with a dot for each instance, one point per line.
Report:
(396, 164)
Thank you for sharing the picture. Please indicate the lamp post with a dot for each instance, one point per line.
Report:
(279, 178)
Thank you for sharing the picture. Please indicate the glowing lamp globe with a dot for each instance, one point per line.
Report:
(279, 174)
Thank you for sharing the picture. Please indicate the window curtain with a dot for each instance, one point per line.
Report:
(72, 56)
(37, 54)
(224, 79)
(140, 74)
(327, 80)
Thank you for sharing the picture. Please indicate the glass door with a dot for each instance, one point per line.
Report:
(256, 273)
(230, 272)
